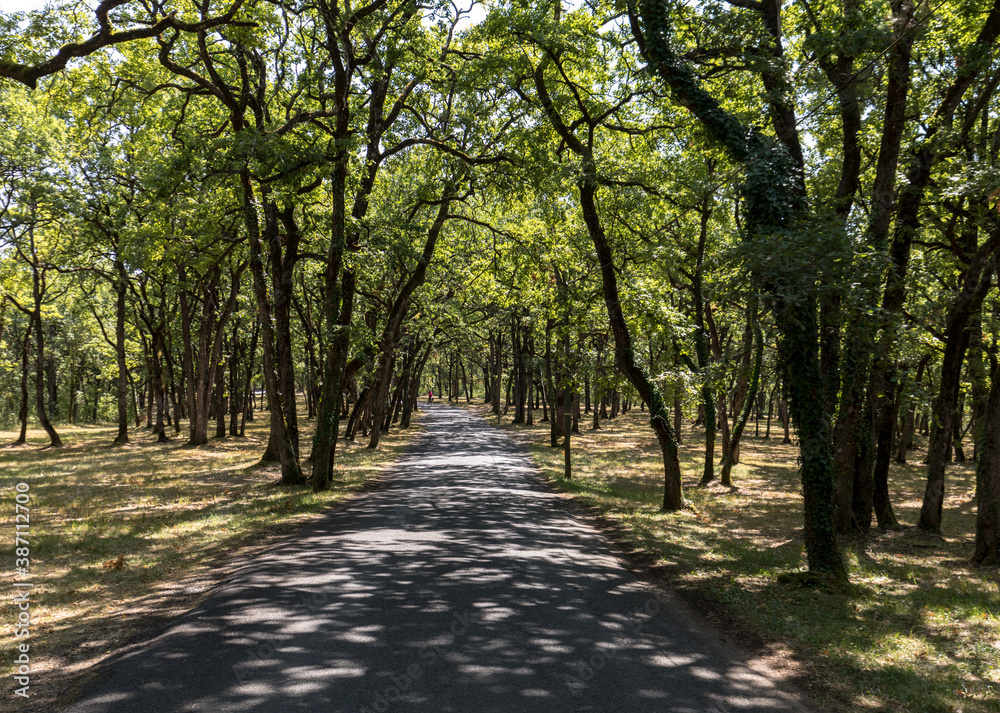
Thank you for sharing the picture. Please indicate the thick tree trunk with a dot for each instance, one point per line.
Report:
(987, 550)
(975, 282)
(768, 210)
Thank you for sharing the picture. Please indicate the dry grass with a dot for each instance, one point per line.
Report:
(124, 537)
(920, 632)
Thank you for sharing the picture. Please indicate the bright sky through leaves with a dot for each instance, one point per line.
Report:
(21, 5)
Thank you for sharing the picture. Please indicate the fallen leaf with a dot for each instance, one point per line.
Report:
(115, 563)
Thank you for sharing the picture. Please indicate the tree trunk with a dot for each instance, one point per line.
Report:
(54, 440)
(284, 433)
(249, 359)
(529, 417)
(397, 311)
(220, 401)
(22, 414)
(172, 390)
(767, 210)
(414, 388)
(121, 288)
(235, 392)
(786, 421)
(910, 422)
(701, 346)
(884, 515)
(987, 550)
(158, 387)
(956, 430)
(150, 398)
(975, 283)
(749, 383)
(673, 497)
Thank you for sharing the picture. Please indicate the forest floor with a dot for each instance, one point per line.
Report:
(919, 633)
(123, 538)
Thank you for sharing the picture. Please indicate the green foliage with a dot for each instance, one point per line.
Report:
(132, 163)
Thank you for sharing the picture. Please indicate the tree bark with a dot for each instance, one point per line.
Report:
(910, 422)
(43, 418)
(975, 283)
(767, 210)
(659, 416)
(987, 551)
(282, 433)
(860, 357)
(701, 340)
(752, 364)
(22, 414)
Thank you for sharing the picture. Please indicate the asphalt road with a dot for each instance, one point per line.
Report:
(463, 585)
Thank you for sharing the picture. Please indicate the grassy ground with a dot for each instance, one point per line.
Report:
(123, 537)
(921, 631)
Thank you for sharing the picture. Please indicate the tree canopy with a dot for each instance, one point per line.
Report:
(701, 210)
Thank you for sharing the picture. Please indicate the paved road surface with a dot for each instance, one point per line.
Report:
(461, 586)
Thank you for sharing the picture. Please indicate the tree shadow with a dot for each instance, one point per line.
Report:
(462, 584)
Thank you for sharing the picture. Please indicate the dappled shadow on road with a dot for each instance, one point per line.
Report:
(462, 585)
